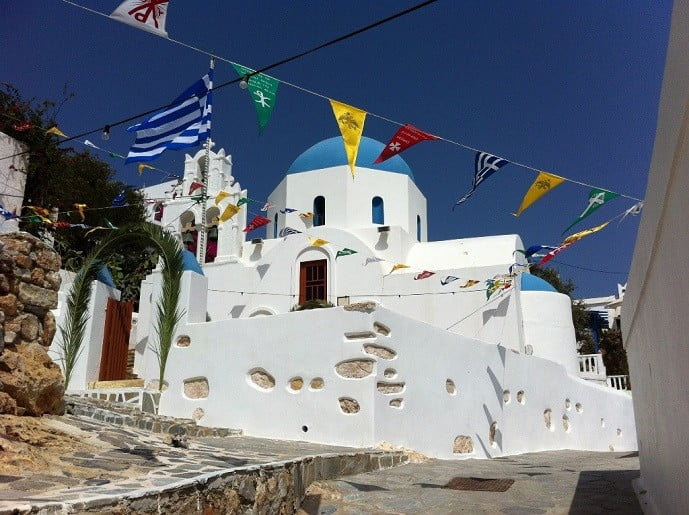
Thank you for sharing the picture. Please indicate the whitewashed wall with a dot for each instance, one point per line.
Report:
(12, 179)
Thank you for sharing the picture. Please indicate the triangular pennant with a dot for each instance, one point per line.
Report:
(56, 131)
(287, 210)
(485, 165)
(372, 260)
(634, 210)
(345, 252)
(194, 186)
(148, 15)
(229, 212)
(89, 144)
(120, 200)
(24, 126)
(582, 234)
(142, 167)
(317, 242)
(423, 275)
(351, 123)
(220, 196)
(263, 91)
(404, 138)
(398, 266)
(258, 221)
(597, 197)
(448, 280)
(242, 201)
(544, 183)
(287, 231)
(266, 206)
(308, 214)
(81, 208)
(470, 283)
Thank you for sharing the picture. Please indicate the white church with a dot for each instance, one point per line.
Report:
(421, 357)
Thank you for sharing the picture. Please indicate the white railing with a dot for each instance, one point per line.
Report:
(619, 382)
(591, 366)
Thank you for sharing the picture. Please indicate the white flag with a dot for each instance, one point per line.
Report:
(147, 15)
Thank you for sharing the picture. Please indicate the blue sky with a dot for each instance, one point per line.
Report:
(569, 88)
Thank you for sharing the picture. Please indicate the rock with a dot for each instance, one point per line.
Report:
(54, 280)
(38, 277)
(32, 379)
(48, 259)
(4, 284)
(8, 304)
(49, 328)
(8, 406)
(32, 295)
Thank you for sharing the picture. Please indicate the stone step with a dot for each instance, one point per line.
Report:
(122, 383)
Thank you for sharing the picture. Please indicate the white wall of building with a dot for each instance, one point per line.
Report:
(654, 321)
(12, 179)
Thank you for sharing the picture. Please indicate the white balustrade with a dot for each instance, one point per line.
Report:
(591, 366)
(619, 382)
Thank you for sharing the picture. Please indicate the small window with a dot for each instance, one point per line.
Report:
(418, 227)
(275, 226)
(319, 211)
(313, 280)
(377, 211)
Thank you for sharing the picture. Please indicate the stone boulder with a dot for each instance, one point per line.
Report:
(30, 382)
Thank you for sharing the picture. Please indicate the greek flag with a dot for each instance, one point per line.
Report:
(186, 122)
(287, 231)
(486, 165)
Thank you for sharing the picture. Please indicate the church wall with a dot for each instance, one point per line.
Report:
(12, 179)
(365, 377)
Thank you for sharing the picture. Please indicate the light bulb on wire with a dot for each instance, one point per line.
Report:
(244, 83)
(106, 133)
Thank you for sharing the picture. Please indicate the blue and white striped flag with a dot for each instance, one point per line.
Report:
(185, 123)
(485, 166)
(287, 231)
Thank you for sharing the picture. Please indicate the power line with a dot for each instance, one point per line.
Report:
(589, 269)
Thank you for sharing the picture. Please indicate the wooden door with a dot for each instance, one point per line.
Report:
(313, 280)
(118, 324)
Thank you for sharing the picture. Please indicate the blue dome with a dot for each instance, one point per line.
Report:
(331, 152)
(533, 283)
(189, 262)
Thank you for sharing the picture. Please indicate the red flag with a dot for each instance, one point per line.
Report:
(258, 221)
(404, 138)
(550, 255)
(423, 275)
(194, 186)
(24, 126)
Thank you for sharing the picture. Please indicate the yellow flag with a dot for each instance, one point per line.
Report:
(56, 131)
(351, 122)
(397, 267)
(308, 214)
(142, 167)
(81, 208)
(317, 242)
(229, 212)
(220, 196)
(470, 283)
(543, 184)
(579, 235)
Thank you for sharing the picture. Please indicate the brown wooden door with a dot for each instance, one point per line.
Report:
(118, 324)
(313, 280)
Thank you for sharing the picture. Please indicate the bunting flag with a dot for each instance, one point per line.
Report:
(41, 215)
(287, 231)
(582, 234)
(398, 266)
(148, 15)
(372, 260)
(308, 214)
(448, 280)
(550, 255)
(186, 122)
(597, 197)
(56, 131)
(266, 206)
(263, 91)
(81, 208)
(258, 221)
(499, 282)
(143, 166)
(423, 275)
(470, 283)
(62, 224)
(7, 215)
(404, 138)
(109, 224)
(220, 196)
(544, 183)
(485, 165)
(317, 242)
(120, 200)
(351, 123)
(517, 268)
(89, 144)
(194, 186)
(24, 126)
(634, 210)
(229, 212)
(287, 210)
(116, 155)
(242, 201)
(533, 249)
(345, 252)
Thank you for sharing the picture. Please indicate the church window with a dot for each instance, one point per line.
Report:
(418, 227)
(377, 211)
(275, 226)
(319, 211)
(313, 280)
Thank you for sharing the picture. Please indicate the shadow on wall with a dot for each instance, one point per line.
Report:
(609, 490)
(499, 311)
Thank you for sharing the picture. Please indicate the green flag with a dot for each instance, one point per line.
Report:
(109, 224)
(242, 201)
(597, 198)
(344, 252)
(263, 91)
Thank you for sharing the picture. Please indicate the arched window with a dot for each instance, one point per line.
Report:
(418, 227)
(319, 211)
(377, 211)
(275, 226)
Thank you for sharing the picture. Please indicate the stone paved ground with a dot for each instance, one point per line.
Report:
(546, 482)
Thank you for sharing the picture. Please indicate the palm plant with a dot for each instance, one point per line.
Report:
(168, 311)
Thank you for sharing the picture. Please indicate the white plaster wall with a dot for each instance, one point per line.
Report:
(654, 321)
(548, 327)
(310, 344)
(87, 366)
(12, 179)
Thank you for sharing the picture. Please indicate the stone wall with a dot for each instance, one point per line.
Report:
(30, 382)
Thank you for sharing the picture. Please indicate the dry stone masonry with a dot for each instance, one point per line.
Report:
(30, 382)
